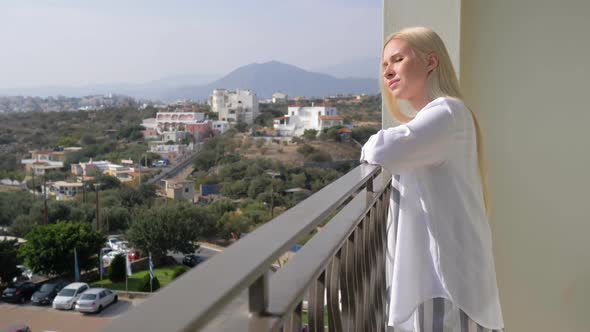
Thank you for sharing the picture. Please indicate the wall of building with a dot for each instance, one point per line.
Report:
(524, 70)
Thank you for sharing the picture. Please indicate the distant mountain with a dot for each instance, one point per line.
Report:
(364, 67)
(264, 78)
(270, 77)
(150, 90)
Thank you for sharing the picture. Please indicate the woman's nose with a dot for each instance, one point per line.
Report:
(388, 72)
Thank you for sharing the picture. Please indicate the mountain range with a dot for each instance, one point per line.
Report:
(263, 78)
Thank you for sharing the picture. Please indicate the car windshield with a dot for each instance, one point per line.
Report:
(67, 292)
(47, 288)
(88, 296)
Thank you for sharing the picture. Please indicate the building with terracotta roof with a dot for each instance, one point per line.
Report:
(298, 119)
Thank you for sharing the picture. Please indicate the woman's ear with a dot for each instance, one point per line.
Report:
(431, 62)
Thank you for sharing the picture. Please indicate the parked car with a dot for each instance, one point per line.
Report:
(105, 250)
(20, 291)
(16, 328)
(108, 258)
(25, 271)
(192, 260)
(96, 299)
(133, 254)
(112, 239)
(67, 297)
(121, 245)
(48, 292)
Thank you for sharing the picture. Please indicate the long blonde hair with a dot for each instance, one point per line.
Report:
(442, 82)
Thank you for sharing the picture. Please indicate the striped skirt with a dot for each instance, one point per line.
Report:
(440, 315)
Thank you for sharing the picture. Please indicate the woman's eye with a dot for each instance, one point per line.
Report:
(398, 59)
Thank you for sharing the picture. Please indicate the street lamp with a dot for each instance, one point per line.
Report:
(273, 175)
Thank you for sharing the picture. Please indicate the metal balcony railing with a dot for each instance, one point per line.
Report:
(345, 260)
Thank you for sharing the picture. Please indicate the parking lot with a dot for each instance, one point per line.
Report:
(48, 319)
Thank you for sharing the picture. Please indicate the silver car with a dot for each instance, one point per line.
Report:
(96, 299)
(68, 296)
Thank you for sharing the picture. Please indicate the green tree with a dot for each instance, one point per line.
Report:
(173, 226)
(144, 284)
(310, 134)
(50, 249)
(117, 269)
(306, 149)
(14, 204)
(8, 260)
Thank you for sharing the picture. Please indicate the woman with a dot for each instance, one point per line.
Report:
(440, 268)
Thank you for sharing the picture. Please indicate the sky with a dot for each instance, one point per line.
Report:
(83, 42)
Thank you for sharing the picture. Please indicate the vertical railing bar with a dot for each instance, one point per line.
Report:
(333, 286)
(295, 320)
(365, 271)
(315, 312)
(347, 282)
(358, 278)
(381, 263)
(370, 292)
(258, 295)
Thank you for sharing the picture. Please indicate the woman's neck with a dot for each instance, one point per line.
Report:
(418, 103)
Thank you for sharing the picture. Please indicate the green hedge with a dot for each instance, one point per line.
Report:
(144, 284)
(117, 269)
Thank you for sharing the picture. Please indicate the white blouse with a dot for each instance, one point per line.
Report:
(440, 245)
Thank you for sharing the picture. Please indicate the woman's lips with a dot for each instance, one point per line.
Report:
(393, 83)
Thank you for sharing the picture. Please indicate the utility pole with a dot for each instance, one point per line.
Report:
(272, 200)
(139, 162)
(97, 215)
(46, 214)
(83, 188)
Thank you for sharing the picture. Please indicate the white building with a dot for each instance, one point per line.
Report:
(172, 121)
(64, 190)
(234, 106)
(298, 119)
(220, 127)
(279, 97)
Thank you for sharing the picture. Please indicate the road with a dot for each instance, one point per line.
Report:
(48, 319)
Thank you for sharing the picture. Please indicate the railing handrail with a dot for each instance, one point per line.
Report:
(219, 280)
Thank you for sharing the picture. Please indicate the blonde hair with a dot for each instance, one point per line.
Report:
(442, 82)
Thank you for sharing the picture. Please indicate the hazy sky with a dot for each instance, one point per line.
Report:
(78, 42)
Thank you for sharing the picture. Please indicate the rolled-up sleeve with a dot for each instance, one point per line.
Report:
(423, 141)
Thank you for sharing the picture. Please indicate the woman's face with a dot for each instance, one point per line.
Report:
(404, 71)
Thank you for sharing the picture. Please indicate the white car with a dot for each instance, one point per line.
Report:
(121, 245)
(67, 297)
(96, 299)
(111, 241)
(108, 258)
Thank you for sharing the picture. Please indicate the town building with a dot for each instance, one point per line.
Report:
(298, 119)
(170, 121)
(279, 97)
(234, 106)
(180, 190)
(46, 160)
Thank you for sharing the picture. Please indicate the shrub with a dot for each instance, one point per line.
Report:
(144, 283)
(260, 142)
(319, 156)
(178, 271)
(306, 149)
(117, 269)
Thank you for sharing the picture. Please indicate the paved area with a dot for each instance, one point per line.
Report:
(48, 319)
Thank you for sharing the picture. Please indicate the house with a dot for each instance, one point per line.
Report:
(91, 168)
(45, 160)
(234, 106)
(180, 190)
(65, 190)
(170, 121)
(279, 97)
(298, 119)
